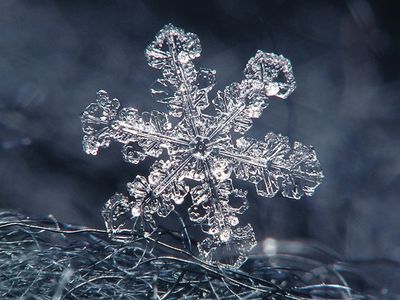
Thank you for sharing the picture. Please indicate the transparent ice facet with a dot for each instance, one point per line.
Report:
(200, 148)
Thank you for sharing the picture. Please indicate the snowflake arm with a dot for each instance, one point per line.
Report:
(273, 165)
(182, 88)
(215, 207)
(103, 121)
(266, 75)
(126, 219)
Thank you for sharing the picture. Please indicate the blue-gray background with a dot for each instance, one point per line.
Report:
(55, 55)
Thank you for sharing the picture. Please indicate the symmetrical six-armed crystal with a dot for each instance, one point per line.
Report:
(200, 148)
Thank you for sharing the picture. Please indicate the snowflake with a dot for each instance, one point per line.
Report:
(202, 156)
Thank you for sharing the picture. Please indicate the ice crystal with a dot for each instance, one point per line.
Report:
(202, 155)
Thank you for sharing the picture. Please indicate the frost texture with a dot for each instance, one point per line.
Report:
(200, 148)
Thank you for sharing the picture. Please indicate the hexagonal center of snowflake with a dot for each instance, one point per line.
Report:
(200, 147)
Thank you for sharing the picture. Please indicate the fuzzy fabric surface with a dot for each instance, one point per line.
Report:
(43, 259)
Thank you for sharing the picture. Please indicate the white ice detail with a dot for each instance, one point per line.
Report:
(200, 147)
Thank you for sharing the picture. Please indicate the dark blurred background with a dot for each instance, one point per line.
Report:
(55, 55)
